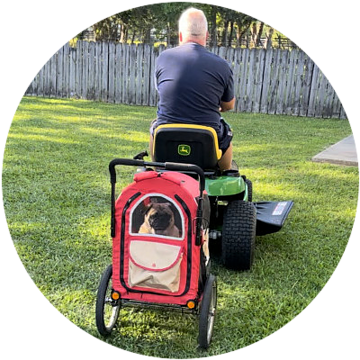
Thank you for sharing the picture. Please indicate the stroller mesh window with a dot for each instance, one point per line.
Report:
(155, 265)
(157, 214)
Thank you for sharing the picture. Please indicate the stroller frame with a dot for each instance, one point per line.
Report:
(204, 305)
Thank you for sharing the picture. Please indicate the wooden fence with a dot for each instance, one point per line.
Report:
(266, 81)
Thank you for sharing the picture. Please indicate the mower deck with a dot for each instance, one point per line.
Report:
(271, 215)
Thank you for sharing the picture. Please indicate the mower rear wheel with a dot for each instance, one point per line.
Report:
(249, 186)
(238, 235)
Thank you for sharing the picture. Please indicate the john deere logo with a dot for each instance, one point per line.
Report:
(184, 150)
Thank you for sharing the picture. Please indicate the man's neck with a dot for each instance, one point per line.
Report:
(201, 42)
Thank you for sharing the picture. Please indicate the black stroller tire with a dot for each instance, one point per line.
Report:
(207, 312)
(105, 319)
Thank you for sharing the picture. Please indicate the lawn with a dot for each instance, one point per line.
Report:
(57, 203)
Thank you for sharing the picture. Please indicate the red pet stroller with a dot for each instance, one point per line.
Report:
(159, 229)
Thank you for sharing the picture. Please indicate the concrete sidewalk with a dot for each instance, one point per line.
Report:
(341, 153)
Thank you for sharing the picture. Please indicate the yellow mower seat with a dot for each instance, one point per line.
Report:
(184, 143)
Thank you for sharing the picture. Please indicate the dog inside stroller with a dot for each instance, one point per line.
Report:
(160, 257)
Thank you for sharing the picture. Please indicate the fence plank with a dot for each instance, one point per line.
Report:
(250, 80)
(147, 75)
(90, 94)
(76, 72)
(84, 69)
(59, 73)
(132, 71)
(111, 75)
(274, 83)
(298, 82)
(243, 80)
(313, 91)
(118, 75)
(258, 80)
(266, 81)
(126, 74)
(139, 74)
(104, 71)
(152, 100)
(336, 107)
(289, 92)
(306, 86)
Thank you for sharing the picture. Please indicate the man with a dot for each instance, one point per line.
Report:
(195, 85)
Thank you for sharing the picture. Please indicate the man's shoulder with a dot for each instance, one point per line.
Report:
(216, 57)
(206, 56)
(217, 63)
(167, 55)
(169, 51)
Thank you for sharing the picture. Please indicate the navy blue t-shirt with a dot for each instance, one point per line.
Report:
(191, 82)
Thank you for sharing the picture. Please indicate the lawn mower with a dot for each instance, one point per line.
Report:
(164, 261)
(235, 219)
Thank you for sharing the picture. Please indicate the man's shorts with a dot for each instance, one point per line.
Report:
(225, 134)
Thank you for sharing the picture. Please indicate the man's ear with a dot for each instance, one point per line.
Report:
(180, 37)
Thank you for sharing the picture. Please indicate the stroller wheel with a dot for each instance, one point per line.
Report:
(107, 310)
(207, 312)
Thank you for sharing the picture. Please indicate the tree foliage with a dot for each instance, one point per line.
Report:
(158, 23)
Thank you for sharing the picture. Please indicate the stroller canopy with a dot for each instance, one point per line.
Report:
(155, 258)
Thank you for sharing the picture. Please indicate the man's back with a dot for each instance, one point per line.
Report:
(192, 82)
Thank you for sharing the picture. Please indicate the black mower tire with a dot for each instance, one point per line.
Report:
(249, 186)
(238, 235)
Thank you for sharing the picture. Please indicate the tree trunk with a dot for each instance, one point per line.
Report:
(231, 35)
(123, 33)
(213, 30)
(268, 42)
(133, 37)
(258, 39)
(225, 32)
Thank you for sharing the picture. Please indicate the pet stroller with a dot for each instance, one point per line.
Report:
(159, 226)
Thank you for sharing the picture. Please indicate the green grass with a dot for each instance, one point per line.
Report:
(57, 203)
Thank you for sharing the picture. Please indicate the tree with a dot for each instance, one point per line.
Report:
(243, 23)
(268, 41)
(113, 28)
(230, 20)
(160, 22)
(212, 25)
(256, 32)
(166, 16)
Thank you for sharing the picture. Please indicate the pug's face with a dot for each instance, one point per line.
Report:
(160, 216)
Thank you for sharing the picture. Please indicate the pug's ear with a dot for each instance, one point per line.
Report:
(147, 208)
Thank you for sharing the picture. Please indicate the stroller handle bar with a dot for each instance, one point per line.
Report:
(166, 166)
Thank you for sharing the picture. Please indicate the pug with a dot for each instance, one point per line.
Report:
(159, 219)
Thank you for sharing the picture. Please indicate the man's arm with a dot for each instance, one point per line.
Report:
(227, 105)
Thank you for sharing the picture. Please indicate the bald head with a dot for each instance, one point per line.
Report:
(193, 27)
